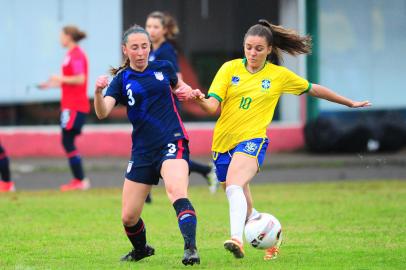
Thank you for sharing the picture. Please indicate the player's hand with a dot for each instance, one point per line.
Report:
(197, 94)
(101, 83)
(43, 86)
(359, 104)
(183, 92)
(53, 81)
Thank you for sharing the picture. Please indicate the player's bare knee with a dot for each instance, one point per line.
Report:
(129, 219)
(175, 194)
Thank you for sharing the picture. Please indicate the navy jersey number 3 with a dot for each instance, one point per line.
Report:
(150, 105)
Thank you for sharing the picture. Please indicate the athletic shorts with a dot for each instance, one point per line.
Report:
(145, 168)
(254, 148)
(72, 120)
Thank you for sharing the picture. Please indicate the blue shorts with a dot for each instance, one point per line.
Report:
(72, 120)
(145, 168)
(255, 148)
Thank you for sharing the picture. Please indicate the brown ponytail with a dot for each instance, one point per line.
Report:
(281, 39)
(74, 32)
(115, 71)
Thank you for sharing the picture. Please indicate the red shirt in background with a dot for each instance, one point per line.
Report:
(74, 96)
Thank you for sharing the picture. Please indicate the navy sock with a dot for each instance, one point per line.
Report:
(75, 163)
(137, 235)
(4, 168)
(202, 169)
(187, 221)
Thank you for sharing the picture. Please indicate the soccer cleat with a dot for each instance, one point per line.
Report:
(212, 180)
(235, 247)
(191, 257)
(148, 199)
(7, 186)
(136, 255)
(272, 253)
(76, 184)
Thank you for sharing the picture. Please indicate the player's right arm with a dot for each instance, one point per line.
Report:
(209, 105)
(103, 105)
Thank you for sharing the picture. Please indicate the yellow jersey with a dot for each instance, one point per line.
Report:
(248, 100)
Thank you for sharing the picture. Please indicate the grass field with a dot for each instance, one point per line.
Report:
(336, 225)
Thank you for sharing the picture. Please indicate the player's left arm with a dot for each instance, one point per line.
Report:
(323, 92)
(78, 76)
(73, 79)
(57, 80)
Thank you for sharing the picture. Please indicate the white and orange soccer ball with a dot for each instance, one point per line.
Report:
(263, 232)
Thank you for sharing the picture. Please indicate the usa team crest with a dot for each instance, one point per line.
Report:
(159, 76)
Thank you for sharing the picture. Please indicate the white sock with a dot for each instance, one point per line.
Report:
(238, 211)
(254, 214)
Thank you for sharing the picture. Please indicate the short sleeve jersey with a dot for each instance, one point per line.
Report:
(150, 105)
(248, 100)
(74, 96)
(165, 52)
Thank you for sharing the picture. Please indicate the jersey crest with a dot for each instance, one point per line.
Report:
(235, 80)
(250, 147)
(159, 76)
(265, 84)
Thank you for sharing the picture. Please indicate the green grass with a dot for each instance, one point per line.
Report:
(339, 225)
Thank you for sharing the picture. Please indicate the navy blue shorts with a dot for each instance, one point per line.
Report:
(72, 120)
(146, 168)
(255, 148)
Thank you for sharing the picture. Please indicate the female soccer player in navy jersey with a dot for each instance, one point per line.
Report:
(163, 28)
(6, 185)
(74, 103)
(159, 140)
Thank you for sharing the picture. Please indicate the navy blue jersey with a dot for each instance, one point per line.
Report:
(150, 105)
(165, 52)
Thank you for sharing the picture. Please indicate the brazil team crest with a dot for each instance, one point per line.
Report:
(159, 76)
(265, 84)
(250, 147)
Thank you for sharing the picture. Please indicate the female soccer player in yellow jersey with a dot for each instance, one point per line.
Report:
(248, 90)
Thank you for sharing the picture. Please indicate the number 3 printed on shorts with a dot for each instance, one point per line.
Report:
(172, 148)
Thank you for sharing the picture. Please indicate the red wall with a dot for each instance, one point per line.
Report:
(116, 140)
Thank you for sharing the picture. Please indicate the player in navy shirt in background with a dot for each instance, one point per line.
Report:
(160, 143)
(163, 28)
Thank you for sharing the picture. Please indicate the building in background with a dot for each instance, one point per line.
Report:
(358, 48)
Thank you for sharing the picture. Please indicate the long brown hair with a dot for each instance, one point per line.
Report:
(168, 22)
(75, 33)
(126, 63)
(281, 39)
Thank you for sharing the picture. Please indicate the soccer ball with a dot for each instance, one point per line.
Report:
(263, 232)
